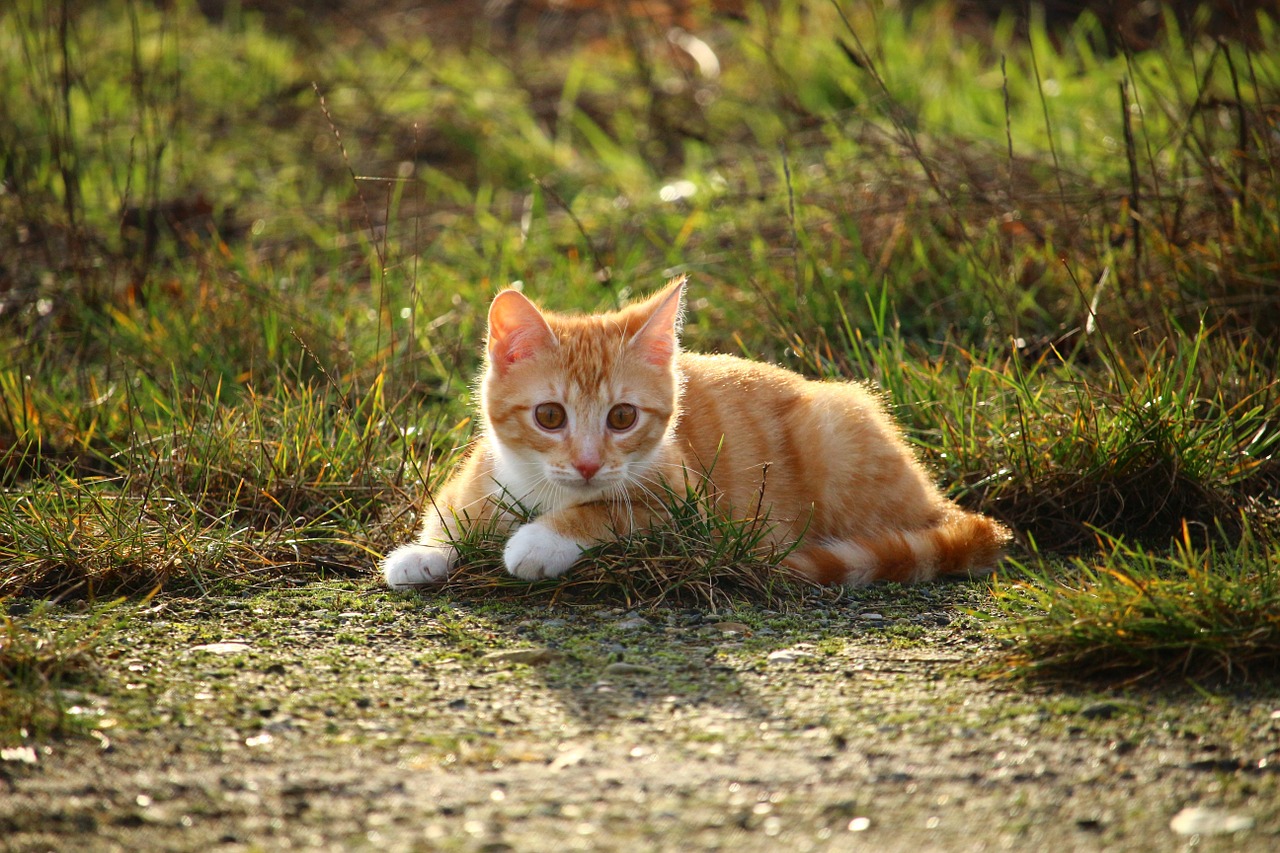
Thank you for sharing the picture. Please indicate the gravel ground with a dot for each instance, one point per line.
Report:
(336, 716)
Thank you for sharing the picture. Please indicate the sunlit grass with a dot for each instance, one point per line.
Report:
(42, 658)
(1208, 614)
(1057, 262)
(695, 558)
(270, 484)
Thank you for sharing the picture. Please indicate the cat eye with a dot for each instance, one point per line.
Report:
(621, 417)
(550, 416)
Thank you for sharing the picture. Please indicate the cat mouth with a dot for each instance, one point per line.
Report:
(598, 483)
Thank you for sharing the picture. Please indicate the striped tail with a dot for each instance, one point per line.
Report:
(964, 544)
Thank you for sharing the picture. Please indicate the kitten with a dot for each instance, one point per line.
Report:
(585, 418)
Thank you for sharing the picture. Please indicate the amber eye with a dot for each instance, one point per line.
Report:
(550, 416)
(622, 417)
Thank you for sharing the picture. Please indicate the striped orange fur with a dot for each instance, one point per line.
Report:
(585, 417)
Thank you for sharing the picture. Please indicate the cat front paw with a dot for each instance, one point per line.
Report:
(411, 565)
(536, 551)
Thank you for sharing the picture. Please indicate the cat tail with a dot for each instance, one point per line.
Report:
(963, 545)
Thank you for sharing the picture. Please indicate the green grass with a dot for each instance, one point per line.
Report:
(239, 313)
(1209, 614)
(42, 658)
(698, 559)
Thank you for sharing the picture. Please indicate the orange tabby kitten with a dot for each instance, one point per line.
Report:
(586, 417)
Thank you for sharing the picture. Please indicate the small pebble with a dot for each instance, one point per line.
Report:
(229, 647)
(621, 668)
(1195, 820)
(20, 754)
(788, 655)
(531, 657)
(1099, 711)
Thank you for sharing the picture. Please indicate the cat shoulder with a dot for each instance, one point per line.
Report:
(713, 365)
(719, 375)
(732, 371)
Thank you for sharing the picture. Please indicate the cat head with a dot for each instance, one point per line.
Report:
(576, 407)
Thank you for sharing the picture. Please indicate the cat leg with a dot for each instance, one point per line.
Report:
(414, 564)
(466, 500)
(547, 546)
(428, 560)
(537, 551)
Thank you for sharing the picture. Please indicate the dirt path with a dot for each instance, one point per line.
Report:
(340, 717)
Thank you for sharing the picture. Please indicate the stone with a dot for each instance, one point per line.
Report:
(228, 647)
(1197, 820)
(530, 657)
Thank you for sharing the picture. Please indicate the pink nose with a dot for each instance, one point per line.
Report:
(587, 468)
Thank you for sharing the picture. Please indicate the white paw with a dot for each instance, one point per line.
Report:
(536, 551)
(410, 565)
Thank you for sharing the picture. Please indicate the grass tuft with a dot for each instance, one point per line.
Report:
(39, 666)
(1206, 614)
(695, 558)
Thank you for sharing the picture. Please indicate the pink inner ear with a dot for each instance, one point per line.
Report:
(517, 330)
(656, 341)
(658, 352)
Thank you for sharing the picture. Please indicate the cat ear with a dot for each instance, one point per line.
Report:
(658, 339)
(517, 330)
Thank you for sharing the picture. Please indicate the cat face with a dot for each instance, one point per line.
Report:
(577, 408)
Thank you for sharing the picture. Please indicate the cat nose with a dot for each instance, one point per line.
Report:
(587, 468)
